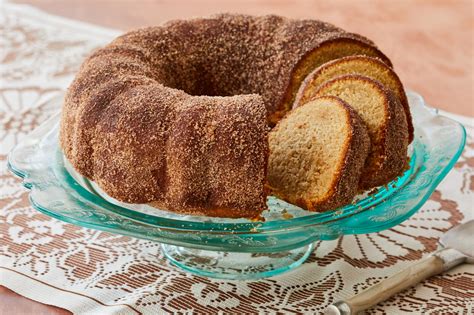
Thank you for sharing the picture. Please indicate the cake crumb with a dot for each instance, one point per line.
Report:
(285, 215)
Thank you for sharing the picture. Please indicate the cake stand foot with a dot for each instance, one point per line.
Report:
(235, 266)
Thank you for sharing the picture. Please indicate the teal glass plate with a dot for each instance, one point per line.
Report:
(237, 248)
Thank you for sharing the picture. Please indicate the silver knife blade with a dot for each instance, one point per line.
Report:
(460, 238)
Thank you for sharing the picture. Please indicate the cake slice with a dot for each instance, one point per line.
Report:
(386, 122)
(371, 67)
(317, 153)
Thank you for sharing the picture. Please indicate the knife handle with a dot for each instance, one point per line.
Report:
(430, 266)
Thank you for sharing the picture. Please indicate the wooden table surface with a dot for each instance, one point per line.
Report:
(429, 41)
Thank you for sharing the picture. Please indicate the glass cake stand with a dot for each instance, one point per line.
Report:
(237, 248)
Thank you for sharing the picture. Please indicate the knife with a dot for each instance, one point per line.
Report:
(457, 247)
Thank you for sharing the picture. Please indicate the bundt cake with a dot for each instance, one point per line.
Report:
(206, 156)
(386, 122)
(317, 154)
(363, 65)
(176, 114)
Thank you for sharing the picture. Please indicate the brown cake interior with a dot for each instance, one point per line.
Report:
(312, 149)
(385, 120)
(373, 68)
(329, 50)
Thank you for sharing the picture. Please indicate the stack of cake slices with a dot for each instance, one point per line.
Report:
(349, 131)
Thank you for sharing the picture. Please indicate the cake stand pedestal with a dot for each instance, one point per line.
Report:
(235, 265)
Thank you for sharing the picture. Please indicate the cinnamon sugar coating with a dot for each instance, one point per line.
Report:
(177, 114)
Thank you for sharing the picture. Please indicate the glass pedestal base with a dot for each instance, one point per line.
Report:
(235, 266)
